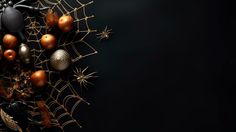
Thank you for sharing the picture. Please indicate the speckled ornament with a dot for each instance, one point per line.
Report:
(60, 60)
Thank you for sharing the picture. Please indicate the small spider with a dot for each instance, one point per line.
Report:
(105, 34)
(81, 78)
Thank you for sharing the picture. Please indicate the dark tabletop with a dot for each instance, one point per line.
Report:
(168, 67)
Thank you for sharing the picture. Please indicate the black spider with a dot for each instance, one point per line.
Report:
(12, 19)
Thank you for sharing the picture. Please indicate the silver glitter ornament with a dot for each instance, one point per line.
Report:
(24, 53)
(60, 60)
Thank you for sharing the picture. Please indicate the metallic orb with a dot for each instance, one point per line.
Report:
(39, 78)
(60, 60)
(24, 53)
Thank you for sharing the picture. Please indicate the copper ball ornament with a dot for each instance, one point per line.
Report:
(39, 78)
(48, 41)
(9, 41)
(60, 60)
(10, 54)
(51, 18)
(65, 23)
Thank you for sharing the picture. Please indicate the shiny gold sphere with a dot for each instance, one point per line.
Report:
(10, 54)
(39, 78)
(65, 23)
(9, 41)
(48, 41)
(51, 18)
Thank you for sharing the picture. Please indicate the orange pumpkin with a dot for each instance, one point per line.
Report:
(10, 54)
(39, 78)
(65, 23)
(9, 41)
(48, 41)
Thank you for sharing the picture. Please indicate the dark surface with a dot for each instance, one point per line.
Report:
(170, 66)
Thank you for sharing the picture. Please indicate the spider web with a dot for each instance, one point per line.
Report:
(62, 98)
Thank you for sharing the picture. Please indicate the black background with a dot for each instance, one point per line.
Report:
(169, 66)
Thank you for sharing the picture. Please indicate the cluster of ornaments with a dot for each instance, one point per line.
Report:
(16, 51)
(60, 59)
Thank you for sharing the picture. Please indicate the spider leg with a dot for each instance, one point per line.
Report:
(109, 31)
(99, 34)
(74, 71)
(89, 83)
(85, 85)
(80, 71)
(88, 77)
(106, 28)
(75, 76)
(90, 74)
(100, 38)
(20, 2)
(85, 69)
(81, 84)
(77, 71)
(31, 8)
